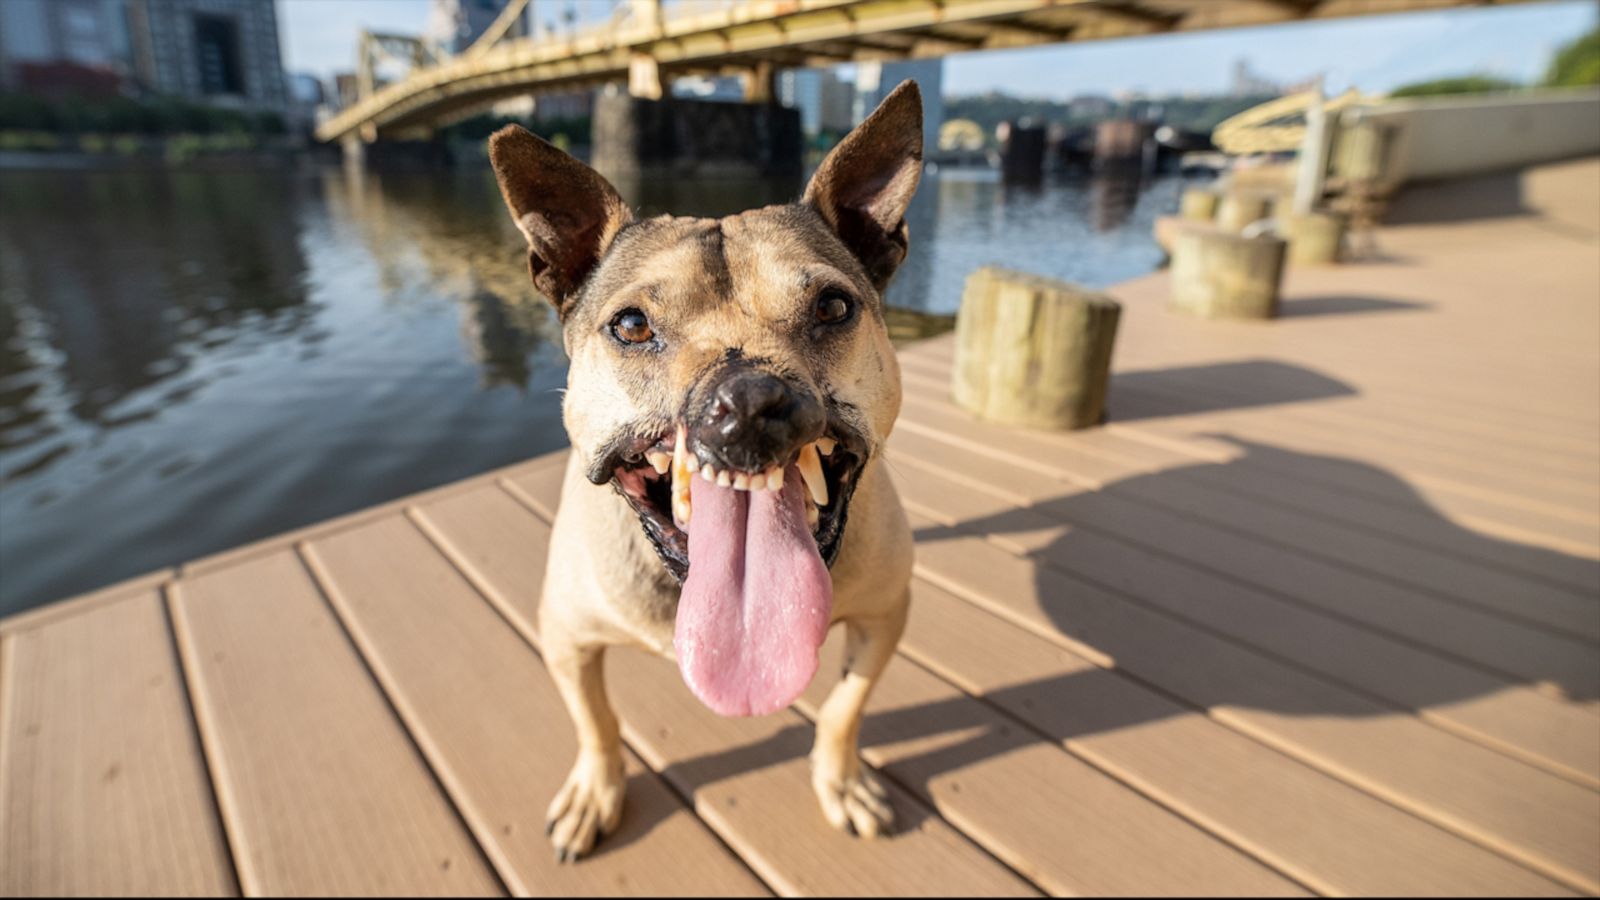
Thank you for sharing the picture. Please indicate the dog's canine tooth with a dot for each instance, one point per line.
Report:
(659, 460)
(812, 513)
(775, 478)
(825, 446)
(681, 473)
(724, 479)
(741, 482)
(811, 470)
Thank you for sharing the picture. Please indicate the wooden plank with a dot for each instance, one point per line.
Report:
(1535, 817)
(1568, 498)
(1297, 480)
(1106, 460)
(485, 713)
(1324, 833)
(738, 771)
(1451, 554)
(103, 787)
(1515, 719)
(1467, 633)
(322, 790)
(1229, 387)
(1068, 827)
(1481, 513)
(1566, 502)
(288, 539)
(72, 606)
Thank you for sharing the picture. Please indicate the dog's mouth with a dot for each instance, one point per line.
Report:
(655, 477)
(752, 549)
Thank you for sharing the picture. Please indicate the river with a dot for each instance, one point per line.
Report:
(194, 360)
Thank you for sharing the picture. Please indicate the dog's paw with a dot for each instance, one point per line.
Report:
(588, 806)
(853, 800)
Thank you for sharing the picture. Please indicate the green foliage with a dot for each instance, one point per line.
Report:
(1465, 84)
(1577, 64)
(123, 115)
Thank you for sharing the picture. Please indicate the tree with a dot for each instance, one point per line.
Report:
(1577, 64)
(1464, 84)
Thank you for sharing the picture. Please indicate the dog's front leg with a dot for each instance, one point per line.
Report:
(852, 799)
(590, 803)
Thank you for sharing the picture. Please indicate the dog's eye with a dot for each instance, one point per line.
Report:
(833, 307)
(631, 327)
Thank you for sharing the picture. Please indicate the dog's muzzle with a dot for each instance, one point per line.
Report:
(750, 420)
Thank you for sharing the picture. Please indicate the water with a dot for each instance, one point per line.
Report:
(193, 360)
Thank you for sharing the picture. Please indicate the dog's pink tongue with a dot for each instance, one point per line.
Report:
(755, 607)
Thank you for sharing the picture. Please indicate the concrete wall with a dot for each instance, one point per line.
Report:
(1448, 137)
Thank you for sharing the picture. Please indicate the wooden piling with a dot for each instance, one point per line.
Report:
(1199, 205)
(1316, 239)
(1033, 351)
(1239, 209)
(1218, 275)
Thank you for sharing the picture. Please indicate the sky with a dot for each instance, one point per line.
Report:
(1374, 53)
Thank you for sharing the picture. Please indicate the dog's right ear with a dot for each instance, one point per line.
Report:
(568, 212)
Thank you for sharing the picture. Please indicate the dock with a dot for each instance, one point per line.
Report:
(1317, 611)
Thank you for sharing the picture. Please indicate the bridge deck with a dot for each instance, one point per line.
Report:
(1318, 612)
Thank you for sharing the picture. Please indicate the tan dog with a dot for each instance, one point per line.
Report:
(731, 388)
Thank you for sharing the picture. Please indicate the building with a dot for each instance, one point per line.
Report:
(717, 88)
(215, 52)
(53, 47)
(825, 102)
(453, 25)
(874, 81)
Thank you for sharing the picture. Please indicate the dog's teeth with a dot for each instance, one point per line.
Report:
(775, 479)
(681, 474)
(812, 514)
(659, 460)
(826, 446)
(811, 470)
(741, 482)
(708, 473)
(724, 479)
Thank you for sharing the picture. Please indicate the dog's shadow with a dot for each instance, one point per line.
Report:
(939, 740)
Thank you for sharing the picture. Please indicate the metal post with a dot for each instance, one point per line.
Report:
(1314, 151)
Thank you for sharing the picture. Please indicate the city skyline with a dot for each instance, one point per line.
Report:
(1374, 54)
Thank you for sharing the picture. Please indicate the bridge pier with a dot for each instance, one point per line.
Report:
(635, 136)
(761, 83)
(354, 150)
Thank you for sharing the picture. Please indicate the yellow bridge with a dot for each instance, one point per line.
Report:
(645, 44)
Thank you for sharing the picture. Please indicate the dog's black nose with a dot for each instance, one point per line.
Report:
(754, 419)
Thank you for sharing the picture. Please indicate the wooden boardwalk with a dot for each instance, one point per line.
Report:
(1318, 612)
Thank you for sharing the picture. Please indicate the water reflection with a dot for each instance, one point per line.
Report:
(190, 361)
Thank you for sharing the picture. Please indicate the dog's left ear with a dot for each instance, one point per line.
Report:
(568, 212)
(863, 187)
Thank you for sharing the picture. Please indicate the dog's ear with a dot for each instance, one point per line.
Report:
(568, 211)
(864, 186)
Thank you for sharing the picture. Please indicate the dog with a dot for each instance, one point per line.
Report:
(731, 388)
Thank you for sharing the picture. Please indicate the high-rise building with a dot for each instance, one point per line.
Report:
(218, 52)
(66, 46)
(824, 102)
(875, 80)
